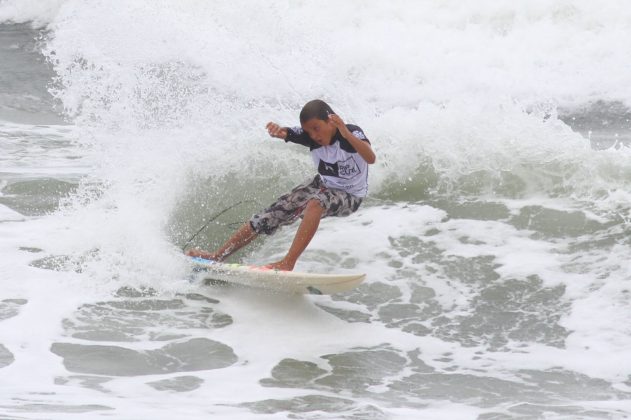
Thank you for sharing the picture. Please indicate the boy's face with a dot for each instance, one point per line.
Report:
(321, 132)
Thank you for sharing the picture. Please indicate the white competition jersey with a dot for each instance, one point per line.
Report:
(339, 164)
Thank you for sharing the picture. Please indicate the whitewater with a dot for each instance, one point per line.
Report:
(495, 237)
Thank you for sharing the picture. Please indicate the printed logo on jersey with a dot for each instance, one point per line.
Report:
(360, 135)
(345, 169)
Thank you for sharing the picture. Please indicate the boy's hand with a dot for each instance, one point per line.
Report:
(276, 130)
(337, 121)
(362, 147)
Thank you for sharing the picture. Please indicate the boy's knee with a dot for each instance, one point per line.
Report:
(314, 205)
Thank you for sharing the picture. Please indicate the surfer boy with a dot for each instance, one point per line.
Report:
(341, 154)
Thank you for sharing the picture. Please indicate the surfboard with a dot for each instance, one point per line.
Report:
(278, 280)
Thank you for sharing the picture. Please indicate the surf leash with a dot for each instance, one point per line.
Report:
(212, 219)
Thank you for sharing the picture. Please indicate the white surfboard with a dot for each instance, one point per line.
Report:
(285, 281)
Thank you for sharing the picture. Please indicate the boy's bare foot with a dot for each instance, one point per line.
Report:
(196, 252)
(282, 265)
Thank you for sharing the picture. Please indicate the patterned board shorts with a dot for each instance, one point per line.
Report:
(291, 206)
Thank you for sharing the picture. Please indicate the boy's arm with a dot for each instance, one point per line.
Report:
(362, 147)
(289, 134)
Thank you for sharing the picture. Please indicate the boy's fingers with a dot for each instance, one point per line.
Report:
(275, 130)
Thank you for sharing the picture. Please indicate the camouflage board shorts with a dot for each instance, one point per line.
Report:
(290, 207)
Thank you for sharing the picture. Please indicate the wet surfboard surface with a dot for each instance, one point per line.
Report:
(271, 279)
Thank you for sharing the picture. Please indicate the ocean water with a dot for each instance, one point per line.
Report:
(496, 236)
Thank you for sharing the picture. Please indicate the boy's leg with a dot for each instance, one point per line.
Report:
(285, 210)
(243, 236)
(307, 229)
(328, 203)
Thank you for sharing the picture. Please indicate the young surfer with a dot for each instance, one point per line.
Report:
(341, 154)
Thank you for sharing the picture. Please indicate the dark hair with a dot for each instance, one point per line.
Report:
(315, 109)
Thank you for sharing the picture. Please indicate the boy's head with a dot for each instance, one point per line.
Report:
(314, 119)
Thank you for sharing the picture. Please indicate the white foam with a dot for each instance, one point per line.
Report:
(40, 13)
(8, 214)
(162, 93)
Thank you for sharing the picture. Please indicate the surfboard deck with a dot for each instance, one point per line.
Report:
(284, 281)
